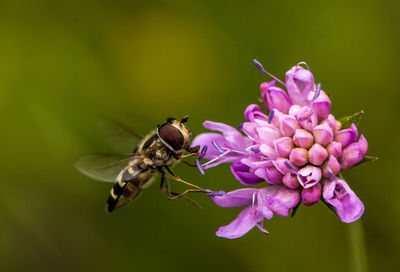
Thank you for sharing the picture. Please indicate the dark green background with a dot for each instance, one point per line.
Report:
(63, 63)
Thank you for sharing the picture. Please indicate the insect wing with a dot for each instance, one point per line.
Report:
(119, 136)
(103, 167)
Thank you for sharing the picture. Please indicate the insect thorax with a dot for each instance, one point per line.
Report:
(153, 153)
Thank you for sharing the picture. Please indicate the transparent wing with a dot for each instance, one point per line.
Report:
(119, 136)
(103, 167)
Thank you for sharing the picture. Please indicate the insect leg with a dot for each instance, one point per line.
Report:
(176, 196)
(190, 155)
(164, 182)
(188, 163)
(183, 197)
(181, 180)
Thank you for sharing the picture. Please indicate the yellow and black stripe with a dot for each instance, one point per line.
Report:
(127, 175)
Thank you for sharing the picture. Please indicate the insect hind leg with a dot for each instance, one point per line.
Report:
(164, 187)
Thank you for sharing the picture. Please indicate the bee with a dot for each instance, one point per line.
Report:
(158, 151)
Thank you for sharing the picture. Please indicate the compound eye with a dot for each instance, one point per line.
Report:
(172, 136)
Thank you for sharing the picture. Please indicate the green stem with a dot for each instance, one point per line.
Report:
(357, 250)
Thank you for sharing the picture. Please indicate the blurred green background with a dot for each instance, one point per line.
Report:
(63, 63)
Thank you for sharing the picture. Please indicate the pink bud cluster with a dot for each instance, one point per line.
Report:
(299, 148)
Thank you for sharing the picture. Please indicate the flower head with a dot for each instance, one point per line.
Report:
(297, 149)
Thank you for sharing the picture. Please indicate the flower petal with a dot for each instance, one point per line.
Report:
(232, 136)
(206, 139)
(235, 198)
(345, 202)
(244, 176)
(253, 113)
(299, 82)
(281, 199)
(354, 153)
(245, 221)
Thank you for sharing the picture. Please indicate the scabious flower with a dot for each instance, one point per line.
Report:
(296, 149)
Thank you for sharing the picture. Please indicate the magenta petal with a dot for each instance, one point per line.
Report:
(235, 198)
(262, 204)
(253, 112)
(311, 195)
(309, 175)
(345, 202)
(299, 82)
(206, 139)
(278, 99)
(245, 177)
(245, 221)
(322, 105)
(281, 199)
(354, 153)
(347, 136)
(232, 136)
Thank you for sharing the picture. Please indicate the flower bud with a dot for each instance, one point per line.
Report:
(330, 167)
(323, 134)
(304, 113)
(307, 118)
(284, 166)
(321, 105)
(317, 154)
(276, 116)
(288, 125)
(299, 82)
(308, 176)
(291, 181)
(294, 110)
(347, 136)
(283, 146)
(298, 156)
(354, 153)
(253, 113)
(274, 97)
(311, 195)
(335, 149)
(242, 173)
(331, 121)
(303, 138)
(269, 174)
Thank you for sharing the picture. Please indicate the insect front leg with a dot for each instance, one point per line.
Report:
(176, 196)
(181, 180)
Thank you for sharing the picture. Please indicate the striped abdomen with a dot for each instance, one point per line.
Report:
(127, 186)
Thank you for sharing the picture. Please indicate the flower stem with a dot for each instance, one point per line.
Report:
(357, 250)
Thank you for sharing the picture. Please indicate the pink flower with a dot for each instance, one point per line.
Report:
(261, 203)
(294, 147)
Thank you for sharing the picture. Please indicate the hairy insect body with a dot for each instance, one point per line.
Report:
(157, 150)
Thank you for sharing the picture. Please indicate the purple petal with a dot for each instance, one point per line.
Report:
(281, 199)
(311, 195)
(354, 153)
(322, 105)
(232, 136)
(347, 136)
(235, 198)
(345, 202)
(309, 175)
(245, 221)
(299, 82)
(253, 112)
(262, 204)
(276, 98)
(206, 139)
(245, 177)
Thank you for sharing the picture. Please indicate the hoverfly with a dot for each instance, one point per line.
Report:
(156, 152)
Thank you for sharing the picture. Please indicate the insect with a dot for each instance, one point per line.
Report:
(156, 152)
